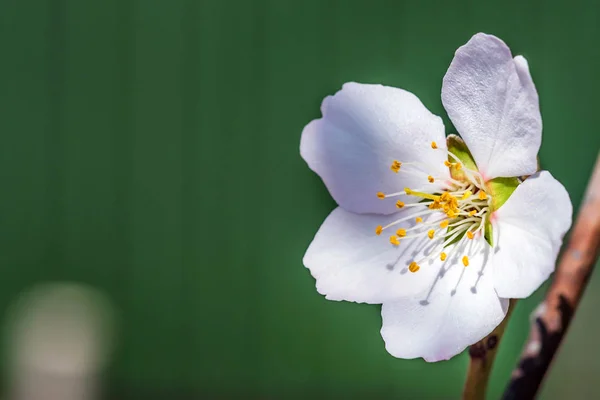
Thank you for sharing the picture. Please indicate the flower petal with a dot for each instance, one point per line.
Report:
(363, 130)
(461, 309)
(350, 262)
(492, 101)
(528, 233)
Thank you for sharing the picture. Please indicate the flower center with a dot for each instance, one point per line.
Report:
(461, 208)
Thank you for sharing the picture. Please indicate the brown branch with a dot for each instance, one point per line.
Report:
(481, 359)
(554, 314)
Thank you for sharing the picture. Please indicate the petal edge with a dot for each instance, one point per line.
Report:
(492, 101)
(365, 128)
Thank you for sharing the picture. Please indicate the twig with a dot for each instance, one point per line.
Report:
(481, 359)
(554, 314)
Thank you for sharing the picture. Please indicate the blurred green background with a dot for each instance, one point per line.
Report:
(150, 148)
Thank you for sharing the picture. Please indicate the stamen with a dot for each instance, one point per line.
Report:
(430, 179)
(465, 261)
(455, 233)
(396, 194)
(399, 204)
(401, 232)
(464, 221)
(449, 240)
(466, 195)
(418, 219)
(417, 170)
(430, 233)
(378, 230)
(472, 212)
(470, 234)
(444, 223)
(482, 195)
(408, 217)
(413, 267)
(394, 240)
(434, 145)
(447, 163)
(396, 166)
(380, 195)
(429, 224)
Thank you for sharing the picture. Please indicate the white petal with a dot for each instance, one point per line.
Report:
(492, 101)
(528, 233)
(350, 262)
(363, 130)
(461, 309)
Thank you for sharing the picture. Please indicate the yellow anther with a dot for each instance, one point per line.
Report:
(407, 190)
(430, 233)
(445, 196)
(413, 267)
(378, 230)
(418, 219)
(447, 163)
(444, 223)
(394, 240)
(443, 256)
(380, 195)
(396, 166)
(472, 212)
(458, 166)
(401, 232)
(482, 195)
(435, 205)
(433, 145)
(467, 194)
(430, 179)
(465, 261)
(451, 214)
(470, 234)
(399, 204)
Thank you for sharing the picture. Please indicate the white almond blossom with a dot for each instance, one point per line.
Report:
(440, 231)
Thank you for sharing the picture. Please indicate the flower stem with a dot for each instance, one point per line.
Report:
(481, 359)
(554, 314)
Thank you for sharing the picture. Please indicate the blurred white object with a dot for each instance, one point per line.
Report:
(58, 341)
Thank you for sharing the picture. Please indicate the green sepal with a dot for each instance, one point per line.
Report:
(500, 189)
(488, 233)
(456, 239)
(458, 147)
